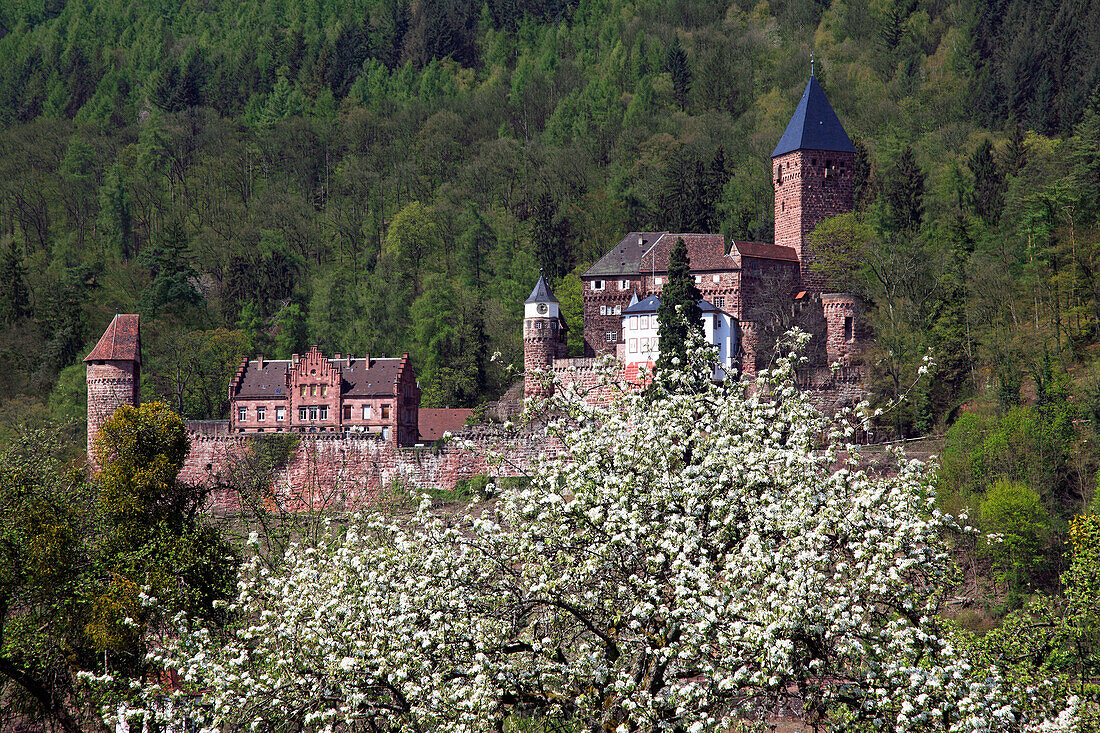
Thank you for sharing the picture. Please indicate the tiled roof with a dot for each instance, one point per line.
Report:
(359, 379)
(814, 125)
(705, 251)
(433, 423)
(626, 256)
(120, 342)
(541, 293)
(765, 251)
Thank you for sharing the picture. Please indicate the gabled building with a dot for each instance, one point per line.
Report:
(310, 393)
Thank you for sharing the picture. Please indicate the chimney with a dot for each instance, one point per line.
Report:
(260, 361)
(338, 356)
(641, 240)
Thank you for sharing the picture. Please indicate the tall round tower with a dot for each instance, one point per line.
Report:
(543, 337)
(114, 375)
(842, 326)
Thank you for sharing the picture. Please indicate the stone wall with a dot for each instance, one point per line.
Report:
(346, 471)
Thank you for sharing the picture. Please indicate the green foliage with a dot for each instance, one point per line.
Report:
(77, 557)
(678, 315)
(1016, 525)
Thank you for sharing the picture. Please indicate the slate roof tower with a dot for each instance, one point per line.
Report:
(812, 172)
(543, 337)
(113, 374)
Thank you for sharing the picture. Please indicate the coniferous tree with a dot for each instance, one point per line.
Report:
(679, 313)
(676, 63)
(1085, 155)
(14, 299)
(863, 183)
(1015, 157)
(988, 183)
(904, 192)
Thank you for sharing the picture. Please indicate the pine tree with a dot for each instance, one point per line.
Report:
(679, 313)
(988, 183)
(676, 63)
(1015, 157)
(14, 298)
(904, 192)
(1085, 155)
(863, 181)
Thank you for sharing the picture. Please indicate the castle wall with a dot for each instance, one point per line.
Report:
(337, 472)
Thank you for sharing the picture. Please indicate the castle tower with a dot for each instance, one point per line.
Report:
(841, 325)
(113, 373)
(812, 173)
(543, 336)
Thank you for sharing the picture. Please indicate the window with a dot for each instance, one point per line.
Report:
(612, 336)
(347, 412)
(698, 279)
(624, 285)
(779, 173)
(313, 413)
(242, 414)
(386, 433)
(324, 412)
(324, 390)
(366, 412)
(720, 301)
(261, 413)
(645, 321)
(849, 332)
(302, 414)
(302, 391)
(633, 346)
(280, 414)
(632, 323)
(658, 281)
(603, 310)
(313, 390)
(717, 322)
(385, 412)
(538, 325)
(716, 278)
(597, 284)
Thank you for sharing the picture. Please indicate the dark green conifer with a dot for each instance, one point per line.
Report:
(679, 313)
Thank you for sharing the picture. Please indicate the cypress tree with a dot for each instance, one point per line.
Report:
(679, 313)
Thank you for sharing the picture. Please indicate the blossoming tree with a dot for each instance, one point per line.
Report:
(696, 562)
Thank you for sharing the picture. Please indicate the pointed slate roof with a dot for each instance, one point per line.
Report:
(120, 342)
(814, 125)
(541, 293)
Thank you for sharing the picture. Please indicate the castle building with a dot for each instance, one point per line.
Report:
(641, 345)
(754, 283)
(310, 393)
(113, 373)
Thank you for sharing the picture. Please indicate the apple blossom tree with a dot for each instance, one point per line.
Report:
(694, 562)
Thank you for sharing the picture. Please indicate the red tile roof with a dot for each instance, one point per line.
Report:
(765, 251)
(705, 251)
(120, 342)
(435, 422)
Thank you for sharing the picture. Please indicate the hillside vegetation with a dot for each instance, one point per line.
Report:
(381, 176)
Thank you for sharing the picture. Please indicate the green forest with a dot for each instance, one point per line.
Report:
(389, 176)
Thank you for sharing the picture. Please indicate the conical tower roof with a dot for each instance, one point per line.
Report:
(814, 125)
(120, 342)
(541, 293)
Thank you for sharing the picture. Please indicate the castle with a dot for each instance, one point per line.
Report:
(359, 421)
(753, 289)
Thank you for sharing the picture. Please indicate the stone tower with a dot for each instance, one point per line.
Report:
(543, 336)
(114, 374)
(812, 173)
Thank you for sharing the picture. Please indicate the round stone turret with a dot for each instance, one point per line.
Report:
(544, 335)
(113, 374)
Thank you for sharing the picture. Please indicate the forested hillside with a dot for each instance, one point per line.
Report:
(385, 176)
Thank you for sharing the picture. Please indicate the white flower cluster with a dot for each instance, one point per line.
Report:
(697, 562)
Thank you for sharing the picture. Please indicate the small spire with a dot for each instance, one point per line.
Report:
(811, 63)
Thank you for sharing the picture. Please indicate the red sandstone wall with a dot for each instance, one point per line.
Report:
(335, 472)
